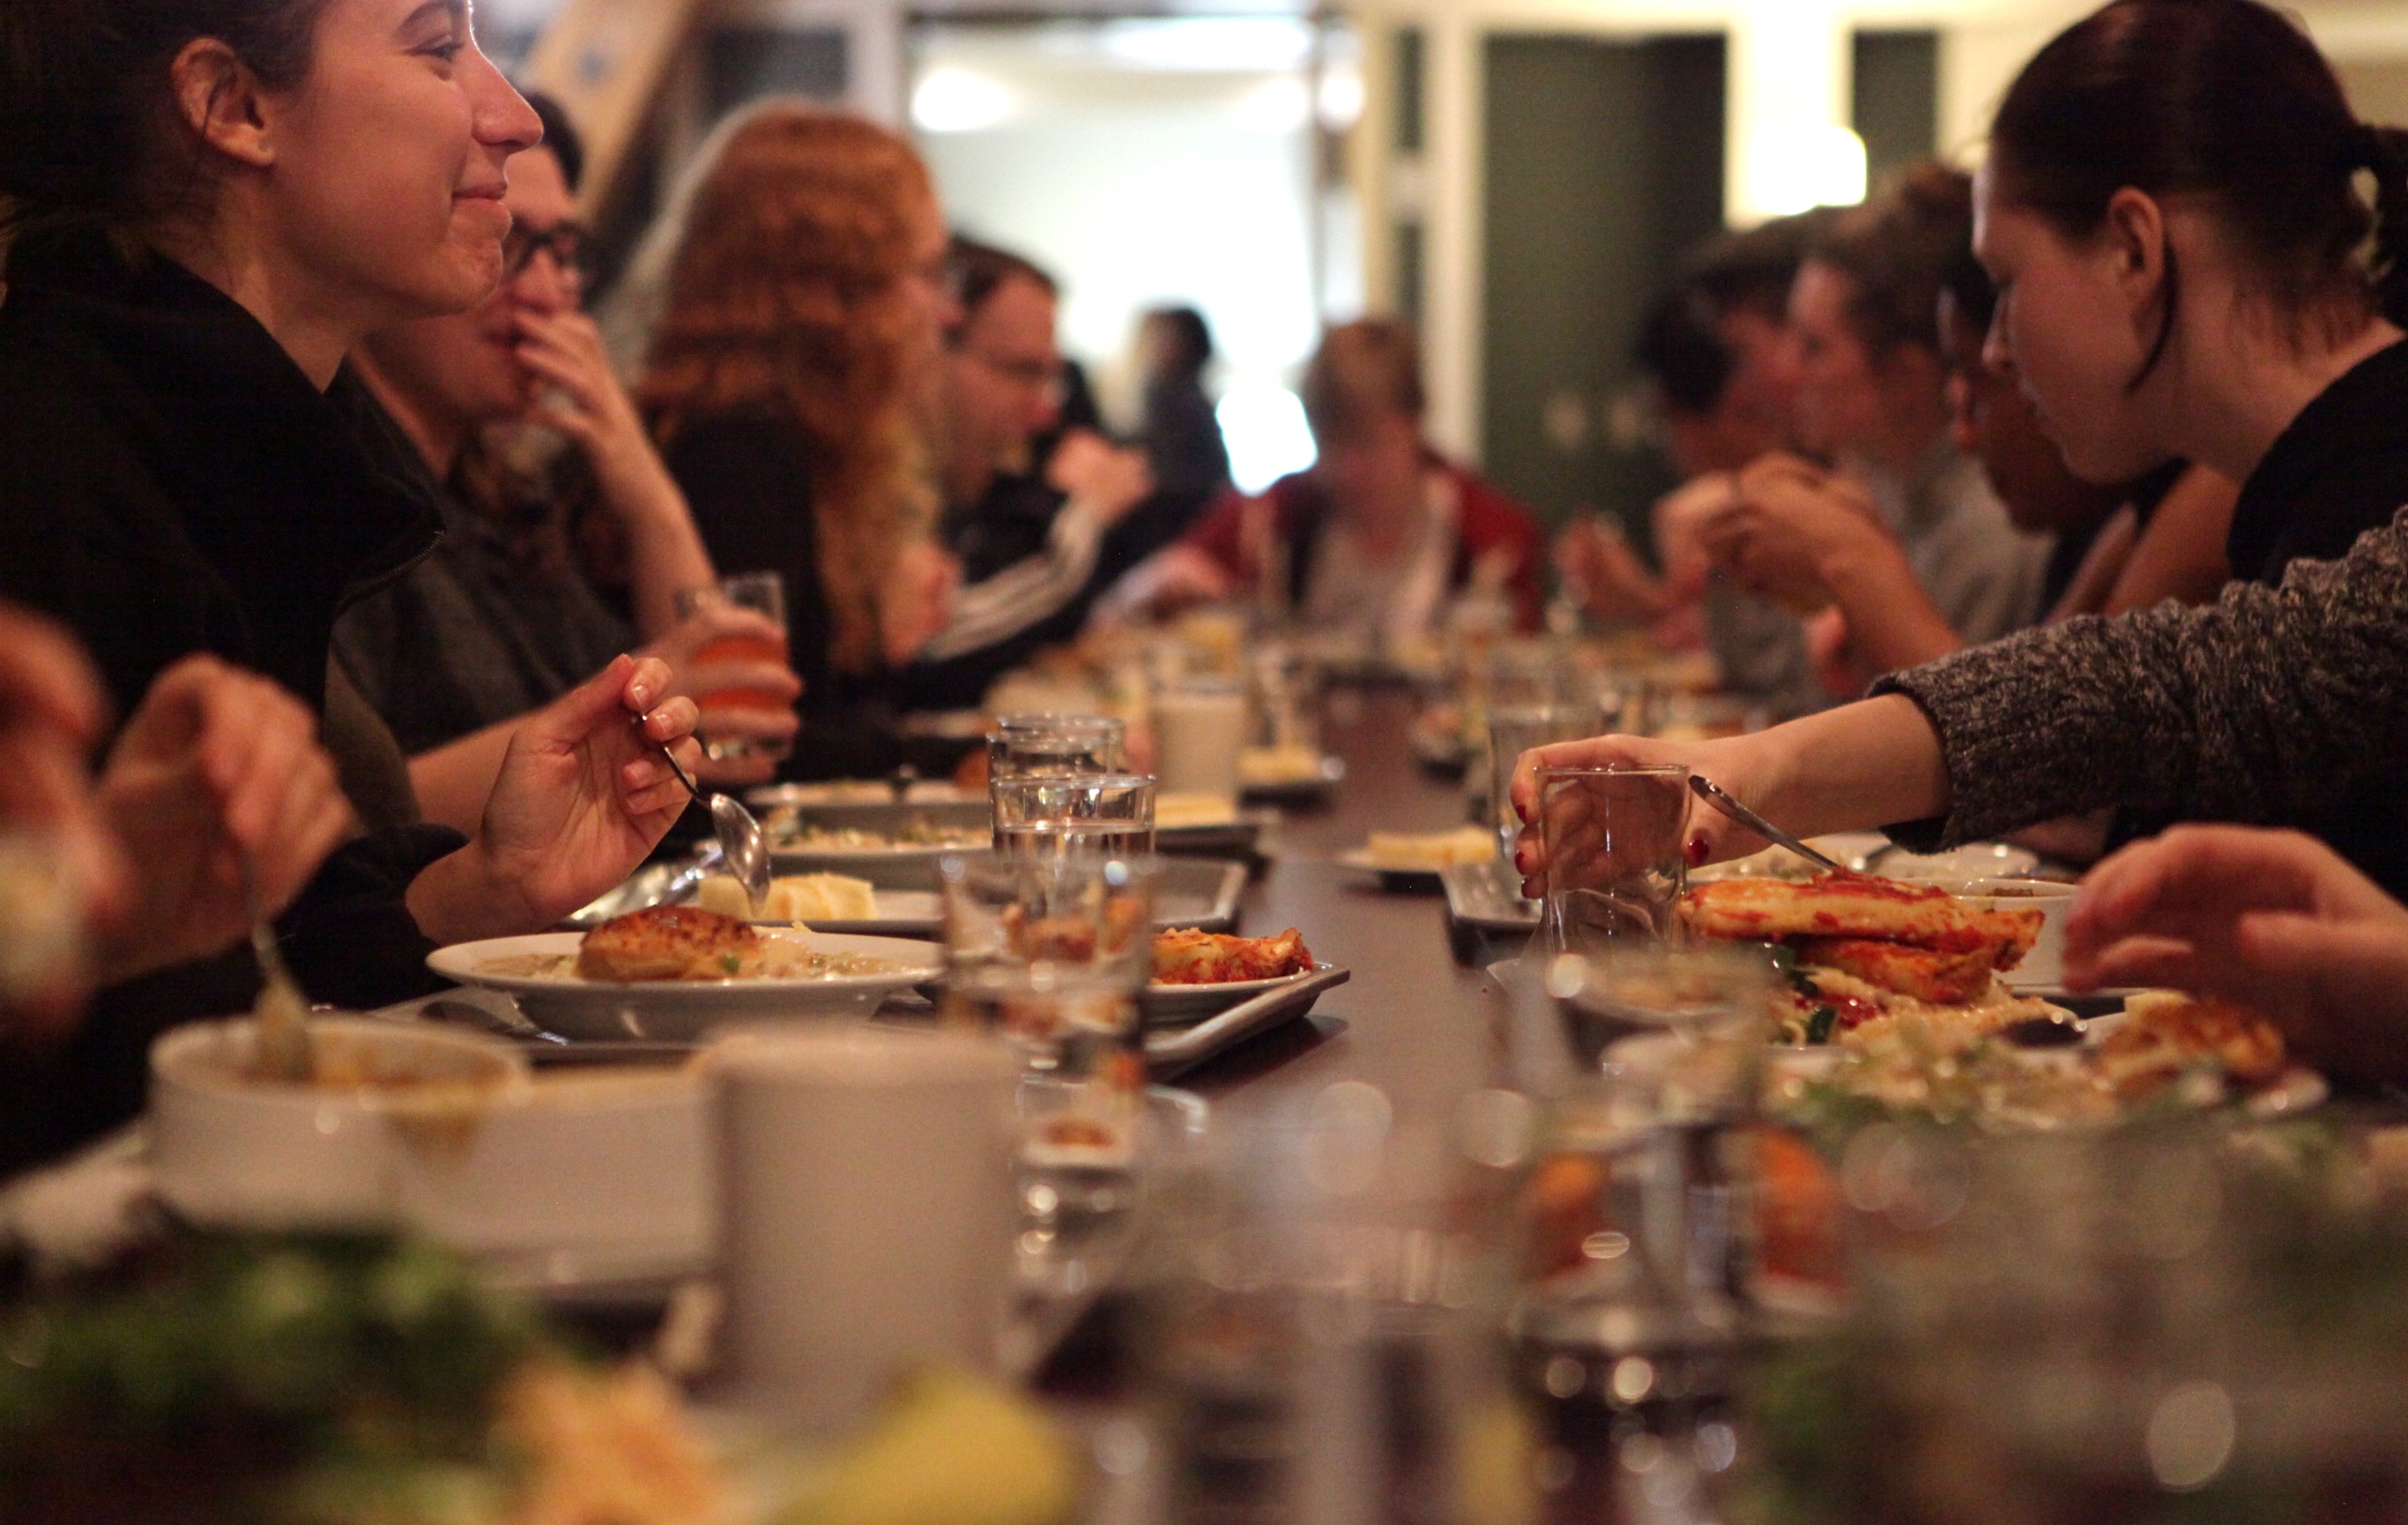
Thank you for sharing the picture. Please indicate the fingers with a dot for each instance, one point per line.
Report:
(2182, 874)
(647, 787)
(46, 682)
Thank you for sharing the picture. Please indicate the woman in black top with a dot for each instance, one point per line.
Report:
(212, 203)
(2170, 213)
(790, 383)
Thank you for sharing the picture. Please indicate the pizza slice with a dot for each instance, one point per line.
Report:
(1858, 907)
(1188, 956)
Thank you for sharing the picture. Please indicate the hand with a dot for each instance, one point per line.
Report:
(217, 770)
(1109, 477)
(580, 798)
(1787, 521)
(1743, 765)
(918, 601)
(1180, 578)
(740, 693)
(584, 401)
(1606, 577)
(2272, 920)
(51, 710)
(1679, 519)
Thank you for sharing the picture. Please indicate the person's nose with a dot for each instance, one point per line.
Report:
(503, 118)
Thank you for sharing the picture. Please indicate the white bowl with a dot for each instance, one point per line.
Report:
(588, 1167)
(231, 1150)
(2043, 967)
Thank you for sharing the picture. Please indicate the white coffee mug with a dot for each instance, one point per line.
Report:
(868, 1212)
(1198, 731)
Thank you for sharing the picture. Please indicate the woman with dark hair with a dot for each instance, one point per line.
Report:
(1181, 434)
(211, 202)
(2171, 214)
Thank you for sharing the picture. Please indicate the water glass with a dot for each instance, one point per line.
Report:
(765, 594)
(1052, 743)
(1614, 838)
(1512, 731)
(1050, 953)
(1056, 815)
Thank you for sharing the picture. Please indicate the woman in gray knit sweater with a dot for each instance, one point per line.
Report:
(2170, 215)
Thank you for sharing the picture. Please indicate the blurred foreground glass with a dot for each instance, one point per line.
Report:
(1637, 1236)
(42, 929)
(1615, 861)
(1321, 1302)
(1054, 815)
(1286, 691)
(1050, 954)
(765, 594)
(1048, 744)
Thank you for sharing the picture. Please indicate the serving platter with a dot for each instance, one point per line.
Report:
(1171, 1004)
(1173, 1051)
(680, 1010)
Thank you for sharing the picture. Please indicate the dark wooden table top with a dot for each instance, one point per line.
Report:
(1412, 1020)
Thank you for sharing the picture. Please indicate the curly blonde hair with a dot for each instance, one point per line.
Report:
(790, 293)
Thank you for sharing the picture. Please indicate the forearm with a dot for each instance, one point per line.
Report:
(1892, 622)
(1027, 591)
(1862, 766)
(455, 780)
(459, 899)
(665, 551)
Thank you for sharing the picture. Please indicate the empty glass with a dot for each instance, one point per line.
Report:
(1514, 730)
(1058, 814)
(1614, 839)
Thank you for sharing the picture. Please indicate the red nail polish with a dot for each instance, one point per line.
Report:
(1697, 849)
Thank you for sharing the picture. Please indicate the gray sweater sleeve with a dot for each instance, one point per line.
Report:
(2246, 710)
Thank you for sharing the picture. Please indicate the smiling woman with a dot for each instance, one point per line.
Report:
(212, 202)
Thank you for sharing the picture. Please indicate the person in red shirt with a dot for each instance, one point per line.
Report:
(1381, 534)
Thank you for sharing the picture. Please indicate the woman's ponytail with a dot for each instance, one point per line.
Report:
(2384, 155)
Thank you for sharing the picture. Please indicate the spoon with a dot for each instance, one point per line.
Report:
(281, 1016)
(740, 841)
(1721, 799)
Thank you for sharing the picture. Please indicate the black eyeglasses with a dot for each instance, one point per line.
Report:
(564, 241)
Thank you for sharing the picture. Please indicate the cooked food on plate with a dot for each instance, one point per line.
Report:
(1189, 809)
(685, 943)
(787, 830)
(1428, 851)
(805, 897)
(2164, 1035)
(1269, 767)
(1870, 953)
(1187, 956)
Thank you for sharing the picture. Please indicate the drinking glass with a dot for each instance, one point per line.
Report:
(1641, 1235)
(1614, 838)
(1050, 953)
(1051, 743)
(765, 594)
(1514, 730)
(1056, 815)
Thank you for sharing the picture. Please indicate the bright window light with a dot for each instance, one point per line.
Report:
(1797, 166)
(958, 100)
(1264, 427)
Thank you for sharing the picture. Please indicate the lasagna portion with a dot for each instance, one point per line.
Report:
(1870, 954)
(1187, 956)
(670, 942)
(2164, 1035)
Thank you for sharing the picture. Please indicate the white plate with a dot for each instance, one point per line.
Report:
(893, 912)
(1166, 1003)
(1325, 776)
(1405, 880)
(680, 1010)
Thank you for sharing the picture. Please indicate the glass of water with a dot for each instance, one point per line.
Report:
(1050, 954)
(1615, 841)
(1058, 816)
(1052, 743)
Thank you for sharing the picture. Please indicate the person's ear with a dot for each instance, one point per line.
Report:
(2133, 243)
(222, 103)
